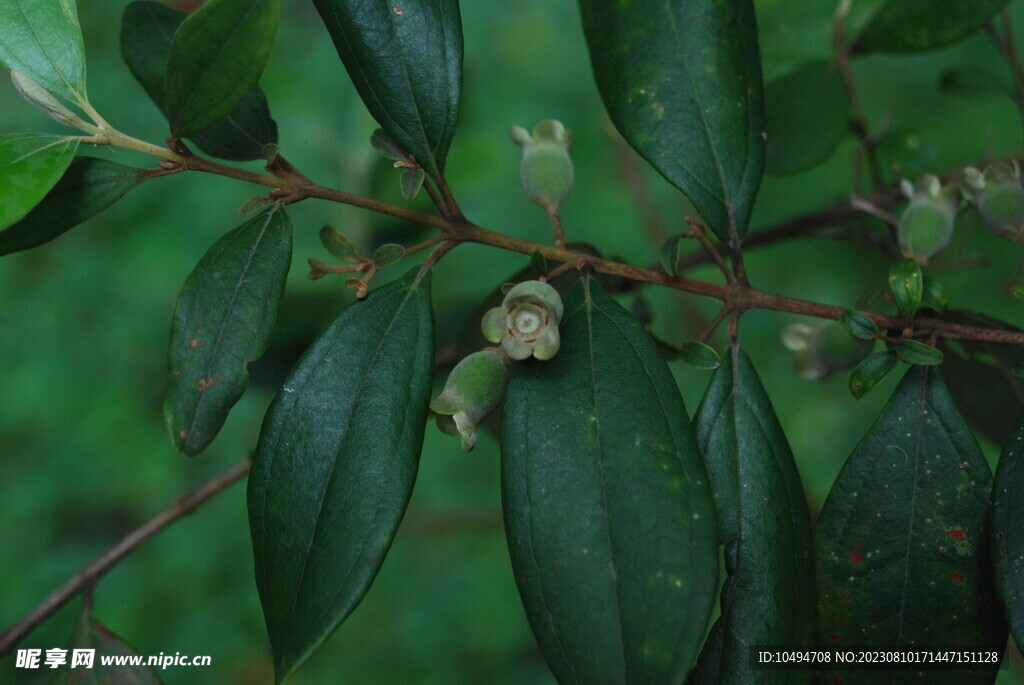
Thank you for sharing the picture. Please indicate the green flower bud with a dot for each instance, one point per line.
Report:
(999, 197)
(526, 323)
(823, 349)
(926, 225)
(546, 170)
(474, 389)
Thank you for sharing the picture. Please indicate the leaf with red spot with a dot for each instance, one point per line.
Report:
(1007, 532)
(901, 541)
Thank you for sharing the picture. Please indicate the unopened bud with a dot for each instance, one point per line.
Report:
(926, 226)
(474, 389)
(546, 170)
(823, 349)
(999, 197)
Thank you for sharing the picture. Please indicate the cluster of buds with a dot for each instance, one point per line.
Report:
(824, 349)
(999, 197)
(926, 225)
(525, 325)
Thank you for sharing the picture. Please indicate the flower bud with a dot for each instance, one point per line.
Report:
(926, 225)
(526, 323)
(999, 197)
(546, 170)
(823, 349)
(474, 389)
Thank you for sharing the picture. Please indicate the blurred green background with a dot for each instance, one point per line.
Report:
(84, 325)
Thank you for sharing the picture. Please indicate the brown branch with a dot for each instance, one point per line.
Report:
(87, 577)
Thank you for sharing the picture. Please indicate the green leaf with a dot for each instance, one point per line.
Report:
(609, 517)
(146, 32)
(335, 465)
(901, 538)
(871, 372)
(858, 325)
(30, 165)
(682, 83)
(1007, 533)
(42, 100)
(387, 147)
(918, 353)
(806, 116)
(42, 39)
(539, 263)
(215, 59)
(671, 253)
(917, 25)
(388, 254)
(972, 81)
(89, 186)
(405, 59)
(1017, 291)
(906, 285)
(768, 597)
(335, 242)
(933, 295)
(90, 634)
(411, 182)
(699, 355)
(222, 321)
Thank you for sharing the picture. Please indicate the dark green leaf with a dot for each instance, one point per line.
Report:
(44, 41)
(336, 243)
(90, 634)
(871, 372)
(387, 147)
(906, 285)
(859, 325)
(30, 165)
(609, 517)
(146, 32)
(764, 524)
(933, 295)
(89, 186)
(1007, 533)
(539, 263)
(405, 59)
(1017, 291)
(901, 538)
(388, 254)
(972, 81)
(918, 353)
(335, 465)
(671, 252)
(699, 355)
(682, 82)
(806, 116)
(411, 182)
(222, 322)
(215, 59)
(916, 25)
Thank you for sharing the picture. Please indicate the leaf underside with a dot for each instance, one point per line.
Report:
(42, 39)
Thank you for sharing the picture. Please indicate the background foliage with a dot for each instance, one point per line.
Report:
(84, 324)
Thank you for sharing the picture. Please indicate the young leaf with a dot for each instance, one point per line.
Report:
(764, 524)
(146, 32)
(335, 465)
(682, 82)
(918, 353)
(699, 355)
(871, 372)
(917, 25)
(806, 117)
(90, 634)
(933, 295)
(901, 538)
(89, 186)
(335, 242)
(972, 81)
(1007, 533)
(539, 263)
(42, 39)
(858, 325)
(609, 517)
(387, 147)
(906, 286)
(215, 59)
(405, 59)
(30, 165)
(671, 253)
(40, 98)
(411, 182)
(388, 254)
(222, 321)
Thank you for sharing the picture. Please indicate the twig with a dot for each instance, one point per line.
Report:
(697, 231)
(88, 576)
(557, 230)
(715, 323)
(859, 122)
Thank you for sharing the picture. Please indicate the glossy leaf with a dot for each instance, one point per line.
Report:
(335, 465)
(972, 81)
(30, 165)
(901, 538)
(405, 59)
(90, 634)
(42, 39)
(89, 186)
(146, 32)
(763, 521)
(806, 116)
(215, 60)
(222, 321)
(906, 285)
(607, 508)
(1007, 533)
(859, 325)
(871, 372)
(699, 355)
(919, 353)
(916, 25)
(682, 83)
